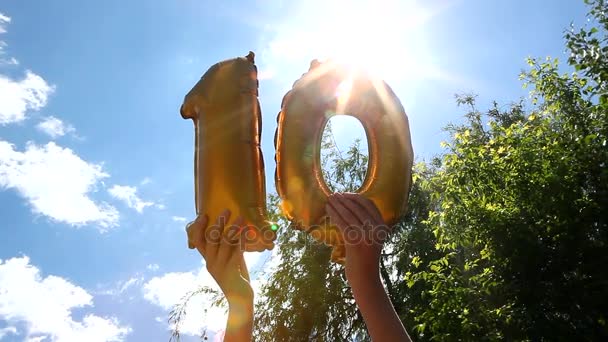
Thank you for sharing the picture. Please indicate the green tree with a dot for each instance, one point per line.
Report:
(305, 296)
(522, 221)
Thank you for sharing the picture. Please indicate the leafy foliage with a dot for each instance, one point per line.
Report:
(305, 296)
(523, 210)
(179, 311)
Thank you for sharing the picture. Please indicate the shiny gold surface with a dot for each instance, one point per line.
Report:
(326, 90)
(228, 163)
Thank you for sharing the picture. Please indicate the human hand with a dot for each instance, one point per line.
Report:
(364, 233)
(223, 256)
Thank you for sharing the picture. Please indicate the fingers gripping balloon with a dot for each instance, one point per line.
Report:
(228, 163)
(324, 91)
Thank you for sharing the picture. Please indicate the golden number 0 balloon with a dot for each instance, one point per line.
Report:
(228, 163)
(324, 91)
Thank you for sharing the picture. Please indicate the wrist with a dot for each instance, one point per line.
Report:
(241, 304)
(240, 318)
(242, 296)
(241, 308)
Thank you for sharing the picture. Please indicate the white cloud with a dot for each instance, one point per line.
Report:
(146, 181)
(178, 219)
(168, 290)
(3, 21)
(7, 331)
(252, 258)
(128, 194)
(153, 267)
(17, 97)
(266, 74)
(57, 183)
(54, 127)
(10, 61)
(123, 289)
(45, 305)
(36, 339)
(130, 283)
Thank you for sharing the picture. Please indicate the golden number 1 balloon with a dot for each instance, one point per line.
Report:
(228, 163)
(324, 91)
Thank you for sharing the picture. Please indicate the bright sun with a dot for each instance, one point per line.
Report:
(386, 38)
(380, 36)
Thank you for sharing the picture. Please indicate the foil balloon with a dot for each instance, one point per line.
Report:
(328, 89)
(228, 162)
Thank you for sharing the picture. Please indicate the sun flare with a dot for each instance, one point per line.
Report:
(379, 37)
(386, 39)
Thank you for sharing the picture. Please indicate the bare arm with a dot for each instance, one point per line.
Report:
(223, 256)
(365, 232)
(240, 313)
(380, 317)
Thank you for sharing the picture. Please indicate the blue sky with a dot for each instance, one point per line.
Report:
(96, 178)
